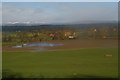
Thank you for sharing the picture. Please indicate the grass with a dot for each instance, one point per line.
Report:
(84, 63)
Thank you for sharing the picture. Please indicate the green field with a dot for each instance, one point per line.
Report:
(83, 63)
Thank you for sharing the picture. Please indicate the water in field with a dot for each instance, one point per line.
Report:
(37, 44)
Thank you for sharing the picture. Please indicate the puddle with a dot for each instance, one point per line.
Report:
(37, 44)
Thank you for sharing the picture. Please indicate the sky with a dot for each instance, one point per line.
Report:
(59, 12)
(60, 0)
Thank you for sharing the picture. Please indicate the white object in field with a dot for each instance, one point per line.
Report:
(95, 30)
(65, 34)
(74, 33)
(71, 37)
(24, 44)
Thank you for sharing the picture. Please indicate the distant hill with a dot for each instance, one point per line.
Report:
(17, 27)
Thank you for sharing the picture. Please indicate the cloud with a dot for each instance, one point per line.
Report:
(91, 13)
(62, 13)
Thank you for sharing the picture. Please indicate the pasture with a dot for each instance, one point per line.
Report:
(80, 63)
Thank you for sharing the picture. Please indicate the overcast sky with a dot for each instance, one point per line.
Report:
(59, 12)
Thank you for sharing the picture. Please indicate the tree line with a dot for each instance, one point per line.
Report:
(39, 34)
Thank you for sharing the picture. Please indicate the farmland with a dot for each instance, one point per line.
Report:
(93, 53)
(59, 40)
(89, 62)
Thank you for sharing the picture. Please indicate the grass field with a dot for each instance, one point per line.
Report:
(83, 63)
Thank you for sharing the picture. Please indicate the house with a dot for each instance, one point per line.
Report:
(70, 34)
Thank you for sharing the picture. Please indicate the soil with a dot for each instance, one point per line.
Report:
(68, 44)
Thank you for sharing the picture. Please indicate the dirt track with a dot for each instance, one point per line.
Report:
(69, 44)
